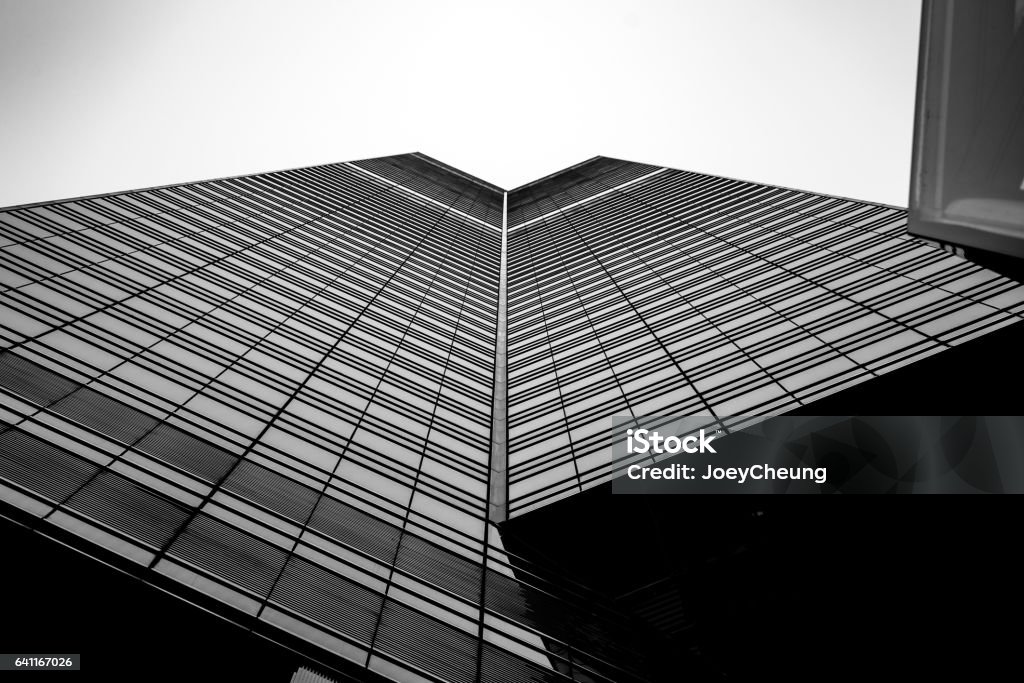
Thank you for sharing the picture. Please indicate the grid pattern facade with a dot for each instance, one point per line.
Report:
(687, 294)
(276, 390)
(575, 184)
(451, 188)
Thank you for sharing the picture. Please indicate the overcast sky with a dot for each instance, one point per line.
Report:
(98, 96)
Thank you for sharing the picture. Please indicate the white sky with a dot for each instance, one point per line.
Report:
(99, 96)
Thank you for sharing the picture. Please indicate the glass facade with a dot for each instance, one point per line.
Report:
(643, 291)
(278, 392)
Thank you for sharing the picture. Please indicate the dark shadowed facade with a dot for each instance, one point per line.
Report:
(362, 410)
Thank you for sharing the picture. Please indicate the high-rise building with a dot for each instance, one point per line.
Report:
(316, 401)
